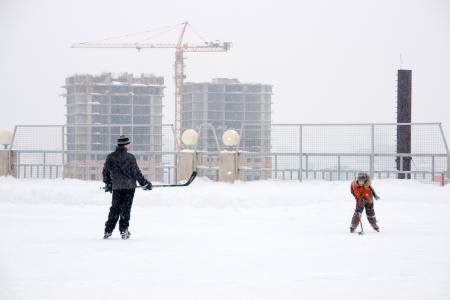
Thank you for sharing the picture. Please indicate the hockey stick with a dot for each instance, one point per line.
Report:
(188, 182)
(362, 229)
(363, 203)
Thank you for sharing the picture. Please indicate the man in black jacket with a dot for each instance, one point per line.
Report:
(120, 173)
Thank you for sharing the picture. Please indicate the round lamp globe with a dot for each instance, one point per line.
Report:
(230, 138)
(5, 137)
(189, 137)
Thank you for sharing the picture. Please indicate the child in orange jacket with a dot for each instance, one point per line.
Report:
(363, 192)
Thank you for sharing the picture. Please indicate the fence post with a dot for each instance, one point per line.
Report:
(372, 150)
(176, 149)
(176, 166)
(11, 146)
(62, 153)
(43, 171)
(339, 168)
(306, 166)
(446, 149)
(18, 164)
(432, 168)
(168, 175)
(300, 177)
(276, 165)
(448, 167)
(401, 164)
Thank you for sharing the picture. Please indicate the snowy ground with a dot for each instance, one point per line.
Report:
(261, 240)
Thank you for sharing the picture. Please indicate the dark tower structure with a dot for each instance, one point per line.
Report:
(404, 116)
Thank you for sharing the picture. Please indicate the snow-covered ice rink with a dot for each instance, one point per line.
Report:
(257, 240)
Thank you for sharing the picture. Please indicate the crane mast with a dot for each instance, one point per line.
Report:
(179, 82)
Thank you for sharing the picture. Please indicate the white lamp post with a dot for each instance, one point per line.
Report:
(228, 160)
(187, 159)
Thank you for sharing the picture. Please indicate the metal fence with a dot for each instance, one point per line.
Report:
(338, 151)
(79, 151)
(297, 151)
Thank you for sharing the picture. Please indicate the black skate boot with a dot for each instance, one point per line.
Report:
(352, 229)
(106, 235)
(125, 234)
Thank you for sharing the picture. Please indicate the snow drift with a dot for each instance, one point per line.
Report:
(255, 240)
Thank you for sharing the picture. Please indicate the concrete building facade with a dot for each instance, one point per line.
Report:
(230, 104)
(100, 108)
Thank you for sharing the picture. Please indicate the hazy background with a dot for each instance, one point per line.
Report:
(329, 61)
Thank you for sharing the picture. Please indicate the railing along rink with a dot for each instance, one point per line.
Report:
(276, 152)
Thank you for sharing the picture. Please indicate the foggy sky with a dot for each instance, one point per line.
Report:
(329, 61)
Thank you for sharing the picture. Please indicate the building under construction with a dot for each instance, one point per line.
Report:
(229, 104)
(100, 108)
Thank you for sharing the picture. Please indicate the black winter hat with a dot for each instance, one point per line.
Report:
(123, 140)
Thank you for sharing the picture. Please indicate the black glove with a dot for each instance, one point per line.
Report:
(108, 187)
(148, 186)
(376, 197)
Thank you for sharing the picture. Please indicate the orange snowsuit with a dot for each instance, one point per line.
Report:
(362, 192)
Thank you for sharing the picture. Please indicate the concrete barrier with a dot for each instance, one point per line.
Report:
(187, 163)
(6, 165)
(228, 166)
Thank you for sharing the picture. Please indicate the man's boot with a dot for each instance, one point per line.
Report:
(125, 234)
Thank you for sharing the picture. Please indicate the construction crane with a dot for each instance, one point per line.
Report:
(180, 48)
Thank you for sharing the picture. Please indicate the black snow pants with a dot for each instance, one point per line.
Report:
(370, 212)
(122, 200)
